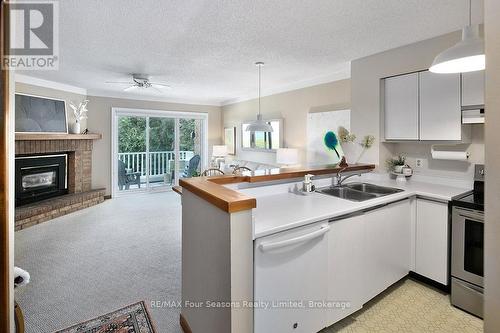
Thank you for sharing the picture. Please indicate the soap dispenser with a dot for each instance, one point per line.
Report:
(307, 185)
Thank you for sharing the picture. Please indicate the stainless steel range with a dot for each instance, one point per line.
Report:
(467, 247)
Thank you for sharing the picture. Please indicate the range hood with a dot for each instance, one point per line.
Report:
(473, 114)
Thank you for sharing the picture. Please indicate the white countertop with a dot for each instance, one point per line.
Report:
(282, 210)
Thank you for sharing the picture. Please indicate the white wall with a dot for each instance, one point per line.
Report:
(99, 121)
(366, 106)
(492, 136)
(293, 106)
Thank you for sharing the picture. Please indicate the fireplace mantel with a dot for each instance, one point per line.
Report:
(49, 136)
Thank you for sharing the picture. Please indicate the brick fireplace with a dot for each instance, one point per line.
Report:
(74, 186)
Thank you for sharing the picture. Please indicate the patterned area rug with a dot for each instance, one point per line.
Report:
(130, 319)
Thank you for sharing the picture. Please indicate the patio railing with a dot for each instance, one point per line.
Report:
(160, 162)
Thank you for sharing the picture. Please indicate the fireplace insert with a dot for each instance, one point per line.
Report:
(40, 177)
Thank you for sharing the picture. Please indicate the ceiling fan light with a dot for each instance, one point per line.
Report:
(465, 56)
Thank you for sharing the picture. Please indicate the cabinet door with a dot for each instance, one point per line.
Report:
(401, 107)
(291, 266)
(440, 110)
(431, 253)
(398, 244)
(473, 88)
(387, 238)
(346, 266)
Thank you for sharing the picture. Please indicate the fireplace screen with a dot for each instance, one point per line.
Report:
(39, 180)
(40, 177)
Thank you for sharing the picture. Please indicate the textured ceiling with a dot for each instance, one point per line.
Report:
(206, 49)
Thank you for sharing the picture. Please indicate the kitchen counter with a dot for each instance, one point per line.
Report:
(283, 211)
(212, 190)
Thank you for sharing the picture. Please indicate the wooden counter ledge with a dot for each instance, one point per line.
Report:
(211, 189)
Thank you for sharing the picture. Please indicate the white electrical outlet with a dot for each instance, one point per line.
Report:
(420, 163)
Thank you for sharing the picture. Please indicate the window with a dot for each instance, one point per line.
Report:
(262, 140)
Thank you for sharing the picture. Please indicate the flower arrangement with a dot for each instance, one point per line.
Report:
(348, 139)
(345, 136)
(79, 111)
(367, 141)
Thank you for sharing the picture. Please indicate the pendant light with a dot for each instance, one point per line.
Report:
(259, 125)
(465, 56)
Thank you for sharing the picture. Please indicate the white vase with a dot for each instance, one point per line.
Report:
(351, 151)
(75, 129)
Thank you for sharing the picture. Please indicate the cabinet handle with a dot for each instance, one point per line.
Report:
(276, 245)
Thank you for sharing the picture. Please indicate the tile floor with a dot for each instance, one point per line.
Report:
(410, 307)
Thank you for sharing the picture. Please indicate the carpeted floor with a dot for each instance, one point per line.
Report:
(100, 259)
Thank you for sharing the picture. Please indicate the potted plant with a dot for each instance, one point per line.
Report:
(397, 163)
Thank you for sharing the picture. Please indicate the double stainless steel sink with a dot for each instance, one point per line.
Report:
(358, 191)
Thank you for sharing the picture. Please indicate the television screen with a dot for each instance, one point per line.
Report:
(39, 114)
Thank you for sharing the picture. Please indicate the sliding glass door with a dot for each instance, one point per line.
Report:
(132, 153)
(161, 151)
(152, 150)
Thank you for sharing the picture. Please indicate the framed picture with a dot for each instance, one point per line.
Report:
(230, 140)
(35, 114)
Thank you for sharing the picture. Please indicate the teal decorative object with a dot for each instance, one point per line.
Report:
(332, 143)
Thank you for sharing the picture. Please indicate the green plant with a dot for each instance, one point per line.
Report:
(392, 162)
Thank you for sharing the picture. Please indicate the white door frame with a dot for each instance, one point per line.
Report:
(117, 111)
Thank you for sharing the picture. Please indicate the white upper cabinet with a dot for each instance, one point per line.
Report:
(473, 88)
(401, 107)
(440, 109)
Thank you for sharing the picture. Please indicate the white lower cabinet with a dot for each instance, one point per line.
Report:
(342, 263)
(291, 266)
(387, 246)
(345, 266)
(431, 243)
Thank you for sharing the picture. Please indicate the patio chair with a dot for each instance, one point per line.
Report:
(191, 167)
(126, 177)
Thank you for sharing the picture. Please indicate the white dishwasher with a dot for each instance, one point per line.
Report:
(291, 270)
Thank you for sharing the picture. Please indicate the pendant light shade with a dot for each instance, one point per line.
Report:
(259, 125)
(465, 56)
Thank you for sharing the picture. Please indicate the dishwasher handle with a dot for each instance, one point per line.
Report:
(300, 239)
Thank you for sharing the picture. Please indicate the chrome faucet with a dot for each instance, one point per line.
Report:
(338, 179)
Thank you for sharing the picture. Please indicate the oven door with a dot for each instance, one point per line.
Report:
(467, 245)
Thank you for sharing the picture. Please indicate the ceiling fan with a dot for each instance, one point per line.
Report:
(142, 81)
